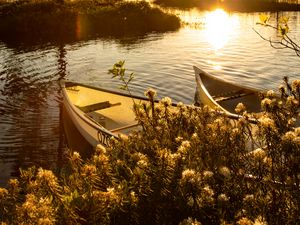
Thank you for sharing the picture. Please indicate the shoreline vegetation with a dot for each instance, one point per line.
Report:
(232, 5)
(30, 22)
(59, 21)
(80, 20)
(187, 166)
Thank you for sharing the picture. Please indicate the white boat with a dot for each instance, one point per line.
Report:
(97, 113)
(224, 96)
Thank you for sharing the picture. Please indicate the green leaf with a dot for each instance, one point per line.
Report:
(284, 20)
(283, 30)
(264, 18)
(123, 87)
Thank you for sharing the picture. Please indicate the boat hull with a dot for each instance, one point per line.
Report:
(225, 96)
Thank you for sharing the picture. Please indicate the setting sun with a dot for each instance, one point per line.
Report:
(218, 27)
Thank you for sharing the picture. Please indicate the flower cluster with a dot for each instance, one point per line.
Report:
(187, 165)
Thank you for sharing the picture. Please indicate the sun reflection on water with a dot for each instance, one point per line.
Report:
(219, 27)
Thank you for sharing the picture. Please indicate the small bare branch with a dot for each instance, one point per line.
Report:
(284, 42)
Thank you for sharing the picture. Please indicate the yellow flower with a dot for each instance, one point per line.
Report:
(3, 193)
(36, 210)
(76, 157)
(292, 101)
(297, 140)
(100, 159)
(179, 139)
(207, 174)
(240, 108)
(100, 149)
(258, 153)
(45, 221)
(189, 176)
(268, 161)
(297, 131)
(194, 136)
(123, 137)
(183, 148)
(110, 190)
(223, 198)
(89, 170)
(244, 221)
(289, 136)
(48, 177)
(259, 221)
(225, 171)
(142, 163)
(150, 93)
(180, 105)
(190, 201)
(296, 85)
(291, 121)
(208, 191)
(248, 198)
(166, 101)
(267, 122)
(266, 103)
(271, 94)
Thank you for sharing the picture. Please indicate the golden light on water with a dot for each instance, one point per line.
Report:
(219, 26)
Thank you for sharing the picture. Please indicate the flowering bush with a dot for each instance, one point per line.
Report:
(187, 165)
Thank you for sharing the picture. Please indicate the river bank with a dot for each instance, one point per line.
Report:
(232, 5)
(79, 20)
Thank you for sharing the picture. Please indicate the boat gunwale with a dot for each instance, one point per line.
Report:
(210, 76)
(114, 92)
(107, 90)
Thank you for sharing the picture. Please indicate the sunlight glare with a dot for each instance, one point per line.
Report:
(219, 27)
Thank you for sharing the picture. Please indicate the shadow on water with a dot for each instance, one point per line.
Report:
(34, 130)
(31, 133)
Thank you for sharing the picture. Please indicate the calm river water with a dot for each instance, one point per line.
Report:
(31, 131)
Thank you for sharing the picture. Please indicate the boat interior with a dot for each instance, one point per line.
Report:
(229, 95)
(108, 109)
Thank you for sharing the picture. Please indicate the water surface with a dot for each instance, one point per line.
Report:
(31, 131)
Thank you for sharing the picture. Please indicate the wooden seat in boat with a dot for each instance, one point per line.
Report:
(97, 106)
(124, 127)
(232, 95)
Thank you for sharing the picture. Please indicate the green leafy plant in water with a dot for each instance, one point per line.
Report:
(119, 71)
(264, 18)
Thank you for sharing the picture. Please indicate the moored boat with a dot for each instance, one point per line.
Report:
(97, 113)
(224, 96)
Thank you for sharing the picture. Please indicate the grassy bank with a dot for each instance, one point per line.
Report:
(81, 20)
